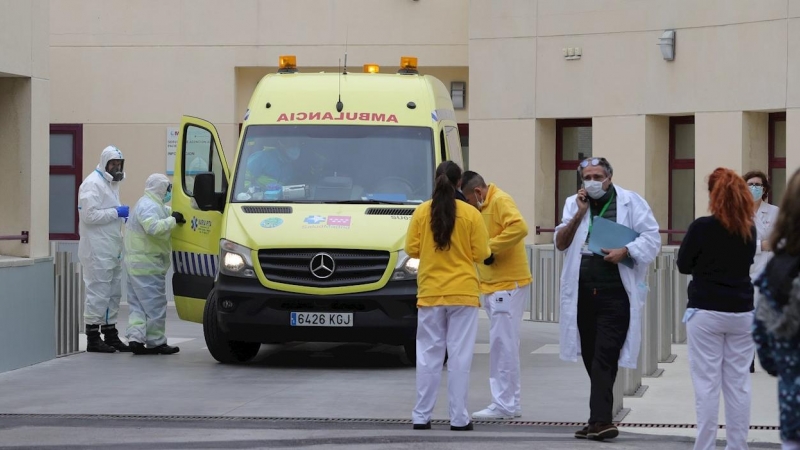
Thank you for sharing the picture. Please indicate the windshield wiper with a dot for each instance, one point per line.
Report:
(364, 202)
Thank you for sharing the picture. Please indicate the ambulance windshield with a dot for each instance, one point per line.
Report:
(335, 163)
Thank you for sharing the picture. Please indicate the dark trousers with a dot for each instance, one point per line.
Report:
(603, 320)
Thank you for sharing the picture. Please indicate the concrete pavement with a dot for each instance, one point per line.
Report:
(332, 381)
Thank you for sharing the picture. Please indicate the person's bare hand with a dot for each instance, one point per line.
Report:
(583, 201)
(615, 255)
(765, 246)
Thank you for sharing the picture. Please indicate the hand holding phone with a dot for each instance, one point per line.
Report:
(582, 200)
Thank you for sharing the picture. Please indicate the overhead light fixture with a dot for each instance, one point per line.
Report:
(458, 92)
(667, 44)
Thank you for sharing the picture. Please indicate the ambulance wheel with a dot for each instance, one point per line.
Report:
(222, 349)
(411, 352)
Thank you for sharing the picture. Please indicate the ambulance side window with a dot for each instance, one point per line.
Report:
(442, 147)
(454, 145)
(201, 156)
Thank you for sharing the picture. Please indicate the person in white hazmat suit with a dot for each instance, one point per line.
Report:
(147, 256)
(100, 250)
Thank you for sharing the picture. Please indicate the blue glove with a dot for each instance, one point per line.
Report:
(122, 211)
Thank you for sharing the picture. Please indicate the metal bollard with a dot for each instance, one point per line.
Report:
(619, 395)
(665, 311)
(649, 349)
(680, 298)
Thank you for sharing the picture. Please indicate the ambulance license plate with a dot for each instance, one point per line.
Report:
(305, 319)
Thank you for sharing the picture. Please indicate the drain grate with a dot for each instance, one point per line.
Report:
(517, 423)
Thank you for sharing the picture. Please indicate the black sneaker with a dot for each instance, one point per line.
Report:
(602, 431)
(164, 349)
(467, 427)
(583, 433)
(138, 348)
(422, 426)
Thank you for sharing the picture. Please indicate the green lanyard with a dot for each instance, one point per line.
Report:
(602, 211)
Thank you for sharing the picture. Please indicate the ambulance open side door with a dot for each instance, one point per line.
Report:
(199, 164)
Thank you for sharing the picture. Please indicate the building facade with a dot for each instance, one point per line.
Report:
(543, 82)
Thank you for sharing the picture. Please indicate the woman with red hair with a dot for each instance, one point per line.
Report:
(718, 251)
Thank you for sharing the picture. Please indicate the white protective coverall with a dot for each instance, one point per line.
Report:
(147, 259)
(633, 212)
(100, 246)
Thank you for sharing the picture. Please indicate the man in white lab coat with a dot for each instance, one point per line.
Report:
(602, 300)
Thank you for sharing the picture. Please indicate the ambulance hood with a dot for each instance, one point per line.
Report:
(363, 227)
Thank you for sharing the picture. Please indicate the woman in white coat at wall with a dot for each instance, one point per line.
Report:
(764, 217)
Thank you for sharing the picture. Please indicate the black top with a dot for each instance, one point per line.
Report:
(595, 271)
(719, 263)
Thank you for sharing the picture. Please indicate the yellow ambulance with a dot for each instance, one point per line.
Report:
(301, 239)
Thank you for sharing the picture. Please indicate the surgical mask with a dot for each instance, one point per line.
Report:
(594, 188)
(757, 191)
(293, 153)
(479, 202)
(168, 197)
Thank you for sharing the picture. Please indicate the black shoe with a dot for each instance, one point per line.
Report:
(753, 366)
(94, 343)
(138, 348)
(583, 433)
(422, 426)
(467, 427)
(601, 431)
(111, 338)
(163, 349)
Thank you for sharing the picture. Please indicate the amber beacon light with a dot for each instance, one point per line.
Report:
(408, 65)
(287, 64)
(372, 68)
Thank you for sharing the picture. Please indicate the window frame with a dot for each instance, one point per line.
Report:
(76, 169)
(774, 162)
(561, 163)
(677, 164)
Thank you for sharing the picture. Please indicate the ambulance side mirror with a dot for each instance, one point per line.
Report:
(204, 193)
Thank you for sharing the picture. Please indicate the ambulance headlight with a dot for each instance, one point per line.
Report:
(406, 268)
(235, 260)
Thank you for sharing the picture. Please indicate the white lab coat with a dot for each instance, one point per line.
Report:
(633, 212)
(764, 219)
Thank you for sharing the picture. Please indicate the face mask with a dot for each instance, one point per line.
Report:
(594, 188)
(757, 191)
(168, 197)
(479, 202)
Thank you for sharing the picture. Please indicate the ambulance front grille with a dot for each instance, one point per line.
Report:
(350, 267)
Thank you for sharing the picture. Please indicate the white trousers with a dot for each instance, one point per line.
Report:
(505, 309)
(103, 280)
(720, 351)
(147, 301)
(790, 445)
(438, 328)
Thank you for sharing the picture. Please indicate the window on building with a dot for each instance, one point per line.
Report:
(777, 156)
(66, 172)
(681, 175)
(573, 143)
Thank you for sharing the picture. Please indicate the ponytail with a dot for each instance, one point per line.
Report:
(443, 203)
(731, 202)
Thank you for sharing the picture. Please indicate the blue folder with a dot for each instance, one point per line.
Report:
(608, 234)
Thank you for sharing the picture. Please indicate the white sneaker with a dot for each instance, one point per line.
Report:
(491, 414)
(518, 413)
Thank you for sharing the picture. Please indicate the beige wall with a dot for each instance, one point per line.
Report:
(24, 119)
(127, 70)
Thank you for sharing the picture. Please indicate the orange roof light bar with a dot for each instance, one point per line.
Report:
(287, 63)
(408, 63)
(372, 68)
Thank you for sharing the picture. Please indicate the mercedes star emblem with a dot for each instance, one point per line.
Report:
(322, 265)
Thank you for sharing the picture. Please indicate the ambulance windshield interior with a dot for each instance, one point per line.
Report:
(335, 163)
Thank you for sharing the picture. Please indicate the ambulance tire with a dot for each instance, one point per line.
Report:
(411, 352)
(223, 350)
